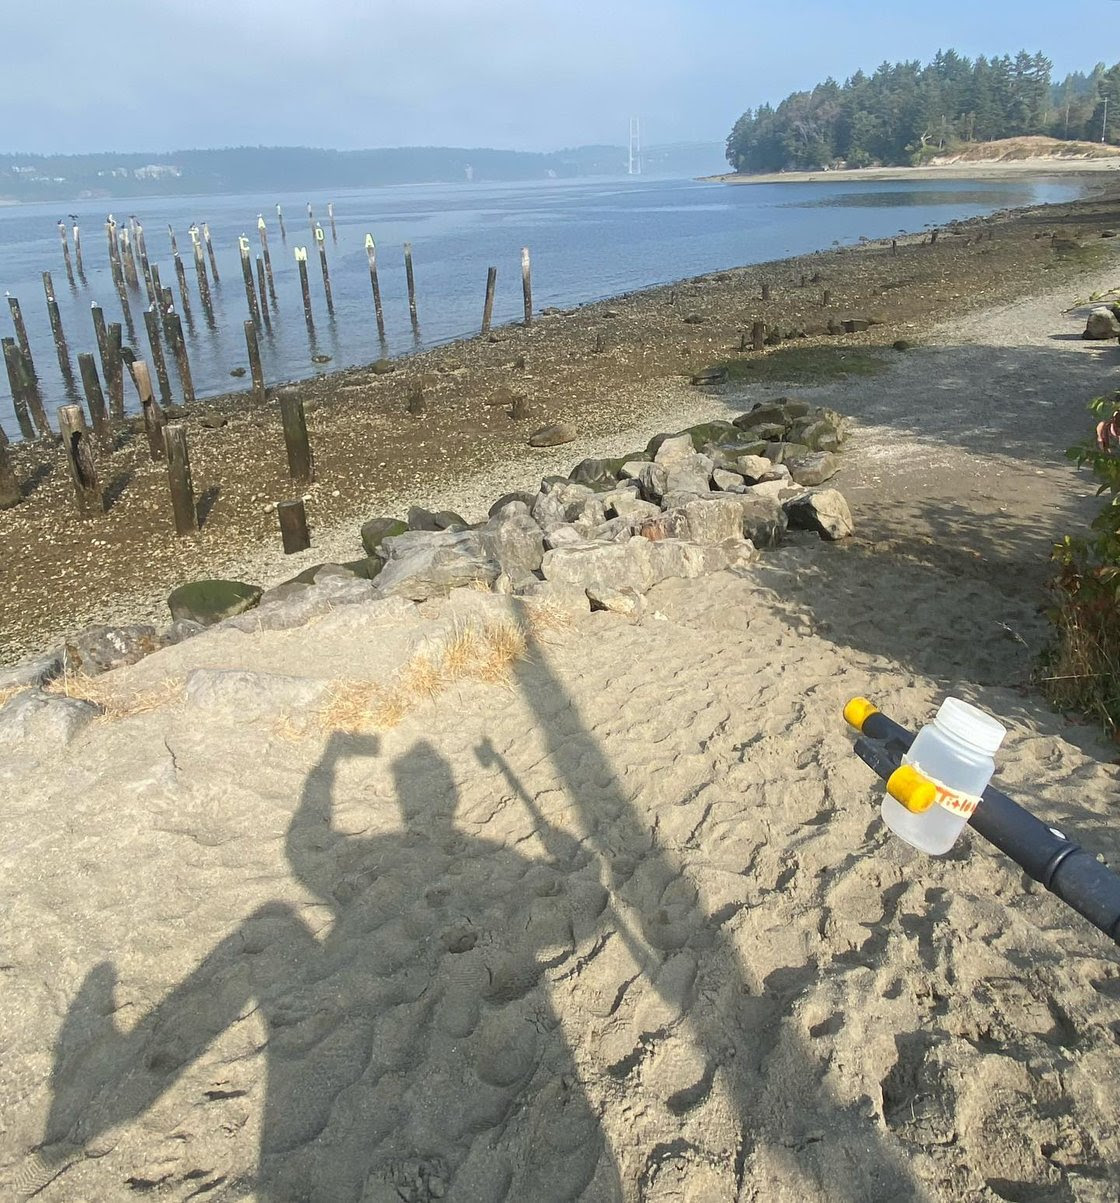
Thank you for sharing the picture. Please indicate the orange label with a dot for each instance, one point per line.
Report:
(959, 803)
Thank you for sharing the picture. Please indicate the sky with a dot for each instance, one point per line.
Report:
(159, 75)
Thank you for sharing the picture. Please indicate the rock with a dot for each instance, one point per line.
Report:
(213, 421)
(423, 564)
(377, 529)
(182, 630)
(762, 519)
(293, 605)
(248, 696)
(32, 672)
(714, 520)
(208, 602)
(508, 499)
(597, 474)
(599, 565)
(823, 510)
(673, 449)
(552, 436)
(567, 598)
(238, 372)
(776, 490)
(652, 478)
(1102, 323)
(382, 367)
(626, 503)
(670, 558)
(420, 519)
(618, 601)
(319, 357)
(615, 530)
(709, 376)
(902, 344)
(563, 536)
(813, 469)
(673, 524)
(727, 481)
(817, 435)
(46, 720)
(856, 325)
(694, 319)
(777, 453)
(99, 649)
(752, 467)
(515, 541)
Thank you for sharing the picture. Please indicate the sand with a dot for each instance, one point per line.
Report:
(1002, 169)
(624, 925)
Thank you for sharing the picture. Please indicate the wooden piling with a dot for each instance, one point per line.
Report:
(247, 275)
(128, 259)
(527, 285)
(371, 255)
(200, 272)
(301, 466)
(310, 219)
(765, 291)
(152, 324)
(826, 298)
(13, 361)
(56, 329)
(95, 398)
(758, 336)
(411, 280)
(301, 263)
(255, 367)
(9, 485)
(488, 305)
(66, 254)
(210, 253)
(79, 455)
(262, 230)
(115, 372)
(280, 219)
(933, 238)
(181, 276)
(321, 242)
(261, 284)
(179, 478)
(78, 252)
(154, 419)
(894, 246)
(293, 526)
(114, 251)
(180, 345)
(21, 331)
(145, 265)
(99, 330)
(157, 288)
(804, 281)
(330, 214)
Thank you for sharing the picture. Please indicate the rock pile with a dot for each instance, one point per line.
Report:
(690, 503)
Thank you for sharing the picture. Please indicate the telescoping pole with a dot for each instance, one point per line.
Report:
(1045, 853)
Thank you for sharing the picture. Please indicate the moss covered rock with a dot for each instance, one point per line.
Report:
(208, 602)
(377, 529)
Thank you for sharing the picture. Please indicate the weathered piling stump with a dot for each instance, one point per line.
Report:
(66, 254)
(253, 347)
(330, 214)
(115, 372)
(56, 330)
(765, 291)
(247, 276)
(311, 220)
(301, 466)
(305, 287)
(95, 398)
(21, 331)
(151, 324)
(758, 336)
(200, 272)
(154, 419)
(79, 455)
(600, 344)
(128, 259)
(826, 298)
(321, 243)
(10, 493)
(145, 265)
(410, 279)
(181, 360)
(17, 381)
(114, 251)
(527, 285)
(894, 246)
(416, 403)
(293, 526)
(210, 253)
(78, 250)
(179, 478)
(262, 230)
(371, 255)
(488, 304)
(280, 219)
(180, 276)
(261, 294)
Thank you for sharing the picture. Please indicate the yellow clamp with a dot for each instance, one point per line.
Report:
(858, 711)
(907, 786)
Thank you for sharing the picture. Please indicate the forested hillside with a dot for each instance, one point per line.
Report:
(905, 112)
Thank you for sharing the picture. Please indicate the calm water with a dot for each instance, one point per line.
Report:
(589, 240)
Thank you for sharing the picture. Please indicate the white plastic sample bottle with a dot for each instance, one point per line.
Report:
(942, 776)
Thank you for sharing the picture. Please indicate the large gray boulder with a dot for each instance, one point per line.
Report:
(515, 540)
(552, 436)
(247, 696)
(763, 521)
(423, 564)
(653, 479)
(822, 510)
(294, 605)
(1102, 323)
(814, 469)
(32, 672)
(208, 602)
(600, 565)
(426, 520)
(46, 720)
(378, 529)
(714, 519)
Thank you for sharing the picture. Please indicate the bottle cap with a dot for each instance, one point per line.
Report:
(908, 787)
(971, 726)
(858, 711)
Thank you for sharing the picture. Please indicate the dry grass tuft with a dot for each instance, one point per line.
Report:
(484, 653)
(7, 694)
(113, 702)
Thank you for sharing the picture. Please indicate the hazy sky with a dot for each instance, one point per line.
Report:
(525, 74)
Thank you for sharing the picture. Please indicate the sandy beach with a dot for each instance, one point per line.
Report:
(618, 918)
(1002, 169)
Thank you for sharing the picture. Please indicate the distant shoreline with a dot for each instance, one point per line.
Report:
(1016, 169)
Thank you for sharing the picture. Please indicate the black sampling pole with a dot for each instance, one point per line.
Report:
(1045, 853)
